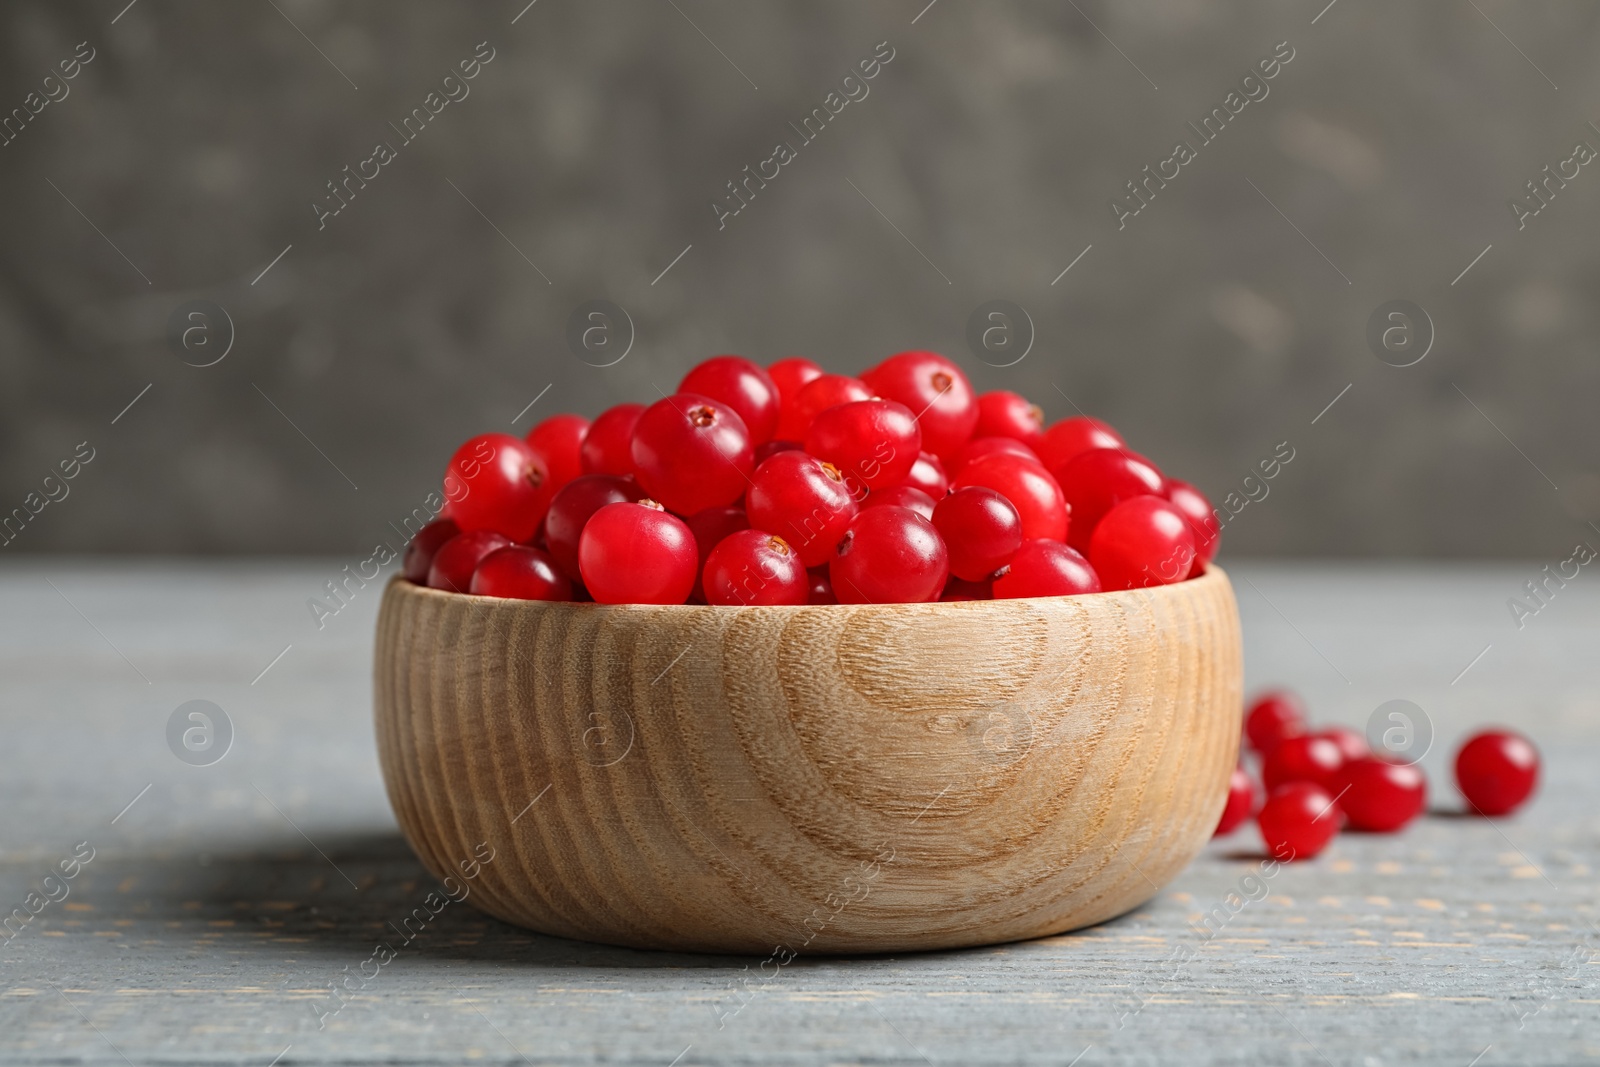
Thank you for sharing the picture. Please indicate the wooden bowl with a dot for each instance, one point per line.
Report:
(840, 779)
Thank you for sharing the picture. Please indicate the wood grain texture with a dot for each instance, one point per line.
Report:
(864, 778)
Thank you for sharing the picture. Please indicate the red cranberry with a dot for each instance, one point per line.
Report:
(1006, 414)
(821, 588)
(1241, 802)
(1305, 758)
(803, 500)
(927, 474)
(1196, 509)
(1298, 820)
(979, 447)
(559, 439)
(815, 397)
(498, 482)
(752, 567)
(691, 453)
(1098, 480)
(935, 391)
(791, 374)
(743, 386)
(458, 557)
(1027, 485)
(571, 509)
(981, 530)
(419, 553)
(1070, 438)
(1045, 568)
(1379, 796)
(1352, 746)
(901, 496)
(1496, 771)
(889, 556)
(1141, 542)
(637, 554)
(873, 442)
(710, 527)
(608, 446)
(957, 590)
(1275, 715)
(520, 572)
(772, 448)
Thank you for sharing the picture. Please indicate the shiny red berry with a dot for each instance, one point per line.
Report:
(820, 590)
(559, 439)
(710, 527)
(1098, 480)
(572, 508)
(691, 453)
(1070, 438)
(742, 386)
(927, 474)
(1141, 542)
(1045, 568)
(815, 397)
(901, 496)
(790, 375)
(979, 447)
(608, 446)
(1196, 509)
(1006, 414)
(752, 567)
(889, 556)
(773, 447)
(1028, 486)
(956, 590)
(520, 572)
(1298, 820)
(1496, 771)
(498, 482)
(872, 442)
(1304, 758)
(1379, 796)
(935, 391)
(1351, 744)
(419, 553)
(458, 557)
(803, 500)
(1241, 803)
(637, 554)
(1275, 715)
(981, 530)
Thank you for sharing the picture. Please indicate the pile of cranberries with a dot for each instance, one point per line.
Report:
(1317, 781)
(789, 485)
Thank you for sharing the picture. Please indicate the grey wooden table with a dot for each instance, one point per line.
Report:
(222, 901)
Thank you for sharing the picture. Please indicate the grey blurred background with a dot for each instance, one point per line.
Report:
(1220, 322)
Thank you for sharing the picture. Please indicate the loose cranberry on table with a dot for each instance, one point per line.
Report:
(572, 507)
(1202, 519)
(559, 439)
(981, 530)
(1006, 414)
(901, 496)
(1142, 542)
(691, 452)
(1275, 715)
(803, 500)
(1070, 438)
(752, 567)
(1241, 803)
(1028, 486)
(1305, 758)
(979, 447)
(520, 572)
(791, 374)
(889, 556)
(1098, 480)
(498, 482)
(937, 393)
(710, 527)
(419, 553)
(1045, 568)
(928, 474)
(815, 397)
(873, 442)
(637, 553)
(743, 386)
(1379, 796)
(1496, 771)
(1351, 744)
(608, 446)
(1298, 820)
(458, 557)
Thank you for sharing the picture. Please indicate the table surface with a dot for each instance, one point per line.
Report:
(221, 905)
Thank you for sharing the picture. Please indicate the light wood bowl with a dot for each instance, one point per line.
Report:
(841, 779)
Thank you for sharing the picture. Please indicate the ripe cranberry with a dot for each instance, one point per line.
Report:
(957, 590)
(1195, 508)
(458, 557)
(804, 501)
(710, 527)
(1028, 486)
(1142, 542)
(743, 386)
(1496, 771)
(498, 482)
(1045, 568)
(889, 556)
(979, 447)
(901, 496)
(936, 392)
(520, 572)
(753, 567)
(572, 507)
(1305, 758)
(1298, 820)
(773, 447)
(637, 554)
(608, 446)
(419, 553)
(1275, 715)
(1379, 796)
(873, 442)
(1352, 746)
(1069, 438)
(1241, 802)
(791, 374)
(1005, 414)
(692, 453)
(981, 530)
(927, 474)
(1098, 480)
(815, 397)
(821, 588)
(559, 439)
